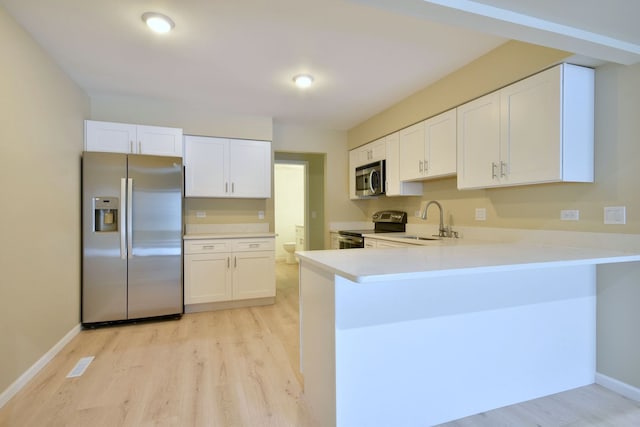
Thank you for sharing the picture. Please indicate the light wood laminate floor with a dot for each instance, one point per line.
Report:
(232, 368)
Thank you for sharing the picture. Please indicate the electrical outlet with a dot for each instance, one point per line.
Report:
(481, 214)
(260, 214)
(570, 215)
(615, 215)
(201, 214)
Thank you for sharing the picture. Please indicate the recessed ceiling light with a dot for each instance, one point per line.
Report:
(303, 81)
(158, 22)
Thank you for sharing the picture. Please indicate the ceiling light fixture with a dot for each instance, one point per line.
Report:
(158, 22)
(303, 81)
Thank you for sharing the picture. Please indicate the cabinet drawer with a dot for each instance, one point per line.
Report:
(207, 246)
(246, 245)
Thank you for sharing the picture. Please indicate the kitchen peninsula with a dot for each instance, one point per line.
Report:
(424, 335)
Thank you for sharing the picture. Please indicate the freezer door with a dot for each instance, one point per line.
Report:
(155, 236)
(104, 264)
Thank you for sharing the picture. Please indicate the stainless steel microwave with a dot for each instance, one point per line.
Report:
(370, 179)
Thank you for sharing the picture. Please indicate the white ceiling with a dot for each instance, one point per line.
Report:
(238, 56)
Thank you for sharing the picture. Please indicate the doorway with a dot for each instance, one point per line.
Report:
(290, 205)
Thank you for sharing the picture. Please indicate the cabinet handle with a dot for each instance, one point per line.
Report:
(233, 187)
(503, 167)
(254, 245)
(131, 146)
(494, 175)
(226, 187)
(139, 147)
(420, 167)
(208, 247)
(426, 166)
(235, 262)
(228, 263)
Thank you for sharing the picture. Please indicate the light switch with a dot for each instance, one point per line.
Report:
(615, 215)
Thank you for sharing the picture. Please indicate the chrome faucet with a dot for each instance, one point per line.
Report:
(442, 231)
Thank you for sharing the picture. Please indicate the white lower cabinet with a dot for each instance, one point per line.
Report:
(219, 270)
(383, 243)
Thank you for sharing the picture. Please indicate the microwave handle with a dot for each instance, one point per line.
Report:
(373, 191)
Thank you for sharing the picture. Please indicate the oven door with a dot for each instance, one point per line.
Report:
(350, 242)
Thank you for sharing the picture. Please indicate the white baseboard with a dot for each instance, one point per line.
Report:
(18, 384)
(618, 386)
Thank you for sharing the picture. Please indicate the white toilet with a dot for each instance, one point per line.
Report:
(290, 247)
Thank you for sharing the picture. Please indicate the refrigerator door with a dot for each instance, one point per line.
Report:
(155, 236)
(104, 264)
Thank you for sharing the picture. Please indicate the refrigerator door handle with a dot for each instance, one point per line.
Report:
(130, 217)
(123, 235)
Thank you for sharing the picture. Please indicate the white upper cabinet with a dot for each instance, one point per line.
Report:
(222, 167)
(369, 153)
(428, 148)
(395, 187)
(132, 139)
(479, 142)
(537, 130)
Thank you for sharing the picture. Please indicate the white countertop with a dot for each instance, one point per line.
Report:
(453, 257)
(228, 235)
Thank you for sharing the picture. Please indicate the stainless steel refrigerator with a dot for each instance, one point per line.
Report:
(131, 237)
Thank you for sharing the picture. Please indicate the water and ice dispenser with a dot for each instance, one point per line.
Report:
(105, 214)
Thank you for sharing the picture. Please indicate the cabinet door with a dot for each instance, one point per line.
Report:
(159, 141)
(531, 139)
(440, 134)
(377, 150)
(412, 154)
(370, 243)
(207, 278)
(395, 187)
(254, 275)
(249, 169)
(478, 139)
(206, 167)
(109, 137)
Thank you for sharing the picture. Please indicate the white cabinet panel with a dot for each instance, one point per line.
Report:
(254, 275)
(249, 168)
(206, 170)
(206, 278)
(412, 152)
(229, 269)
(222, 167)
(132, 139)
(428, 148)
(479, 142)
(109, 137)
(159, 141)
(394, 186)
(537, 130)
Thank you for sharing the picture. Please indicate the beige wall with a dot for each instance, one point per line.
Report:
(41, 116)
